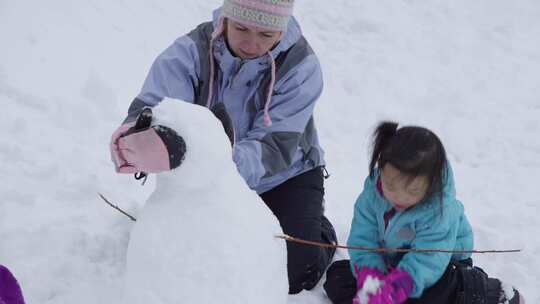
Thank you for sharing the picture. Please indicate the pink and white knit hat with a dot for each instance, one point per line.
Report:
(268, 14)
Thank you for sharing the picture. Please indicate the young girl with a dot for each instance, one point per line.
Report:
(409, 202)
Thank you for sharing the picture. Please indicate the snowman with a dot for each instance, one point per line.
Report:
(203, 236)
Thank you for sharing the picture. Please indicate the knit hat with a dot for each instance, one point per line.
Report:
(268, 14)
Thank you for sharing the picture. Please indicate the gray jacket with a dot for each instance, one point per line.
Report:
(265, 155)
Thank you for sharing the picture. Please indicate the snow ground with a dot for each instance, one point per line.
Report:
(469, 70)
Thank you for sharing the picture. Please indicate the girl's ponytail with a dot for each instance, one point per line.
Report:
(381, 137)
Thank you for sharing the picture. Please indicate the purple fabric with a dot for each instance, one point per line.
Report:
(395, 289)
(10, 292)
(388, 216)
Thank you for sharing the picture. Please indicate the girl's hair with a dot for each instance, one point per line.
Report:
(414, 151)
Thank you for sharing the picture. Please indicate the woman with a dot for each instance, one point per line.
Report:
(253, 68)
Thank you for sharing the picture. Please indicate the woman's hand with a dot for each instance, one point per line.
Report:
(140, 147)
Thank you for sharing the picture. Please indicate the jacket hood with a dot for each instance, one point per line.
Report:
(290, 37)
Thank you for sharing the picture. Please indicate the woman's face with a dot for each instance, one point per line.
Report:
(248, 42)
(400, 190)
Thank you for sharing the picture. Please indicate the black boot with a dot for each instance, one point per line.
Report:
(498, 293)
(479, 288)
(315, 272)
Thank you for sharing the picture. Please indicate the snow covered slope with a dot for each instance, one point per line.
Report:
(469, 70)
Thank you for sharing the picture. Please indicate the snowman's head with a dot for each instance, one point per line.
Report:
(207, 148)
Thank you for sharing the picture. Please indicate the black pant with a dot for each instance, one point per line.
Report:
(298, 205)
(461, 283)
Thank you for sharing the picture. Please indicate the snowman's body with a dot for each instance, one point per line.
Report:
(203, 235)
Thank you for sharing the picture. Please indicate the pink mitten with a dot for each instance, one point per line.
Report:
(147, 148)
(401, 285)
(368, 282)
(143, 151)
(116, 157)
(376, 288)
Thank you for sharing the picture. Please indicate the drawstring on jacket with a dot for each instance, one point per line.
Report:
(267, 120)
(217, 32)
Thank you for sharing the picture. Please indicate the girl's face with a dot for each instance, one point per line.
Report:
(400, 190)
(248, 42)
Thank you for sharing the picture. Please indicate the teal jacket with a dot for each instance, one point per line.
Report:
(424, 226)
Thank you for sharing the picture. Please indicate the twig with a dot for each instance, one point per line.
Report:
(117, 208)
(326, 245)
